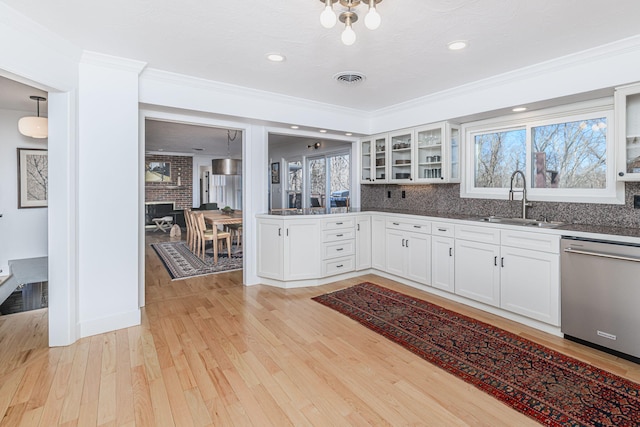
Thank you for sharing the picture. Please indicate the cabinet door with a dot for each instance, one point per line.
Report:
(378, 243)
(429, 154)
(366, 162)
(401, 160)
(302, 253)
(451, 170)
(270, 248)
(627, 112)
(363, 242)
(380, 159)
(418, 258)
(395, 252)
(530, 284)
(477, 272)
(442, 264)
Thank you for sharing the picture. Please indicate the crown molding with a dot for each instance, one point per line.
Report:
(104, 60)
(236, 90)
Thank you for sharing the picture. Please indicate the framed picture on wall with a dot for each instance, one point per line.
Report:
(275, 173)
(157, 171)
(33, 178)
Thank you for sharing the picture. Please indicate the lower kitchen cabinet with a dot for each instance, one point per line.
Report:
(378, 243)
(408, 255)
(530, 283)
(477, 275)
(289, 250)
(363, 242)
(442, 263)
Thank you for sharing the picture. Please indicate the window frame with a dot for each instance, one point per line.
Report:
(342, 152)
(613, 193)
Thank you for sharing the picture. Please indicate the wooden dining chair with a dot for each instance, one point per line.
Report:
(236, 232)
(204, 235)
(190, 238)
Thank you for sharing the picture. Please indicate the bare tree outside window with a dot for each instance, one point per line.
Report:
(497, 156)
(570, 155)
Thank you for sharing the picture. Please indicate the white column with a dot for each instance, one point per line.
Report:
(108, 225)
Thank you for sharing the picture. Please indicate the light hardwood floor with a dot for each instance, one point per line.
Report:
(211, 352)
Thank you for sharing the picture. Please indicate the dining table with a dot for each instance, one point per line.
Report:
(219, 217)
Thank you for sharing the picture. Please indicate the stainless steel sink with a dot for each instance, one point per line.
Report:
(517, 221)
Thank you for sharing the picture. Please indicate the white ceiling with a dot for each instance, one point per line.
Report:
(405, 58)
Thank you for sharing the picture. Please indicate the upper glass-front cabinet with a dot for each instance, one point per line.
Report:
(428, 154)
(438, 153)
(374, 160)
(627, 112)
(401, 160)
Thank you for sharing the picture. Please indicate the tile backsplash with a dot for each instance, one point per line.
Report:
(445, 199)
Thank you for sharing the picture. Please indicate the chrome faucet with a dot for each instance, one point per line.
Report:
(525, 203)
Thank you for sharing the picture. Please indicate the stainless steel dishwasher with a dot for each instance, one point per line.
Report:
(600, 295)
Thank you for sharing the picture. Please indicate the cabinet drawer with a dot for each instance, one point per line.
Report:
(336, 235)
(442, 229)
(416, 226)
(338, 223)
(478, 234)
(530, 240)
(338, 266)
(339, 249)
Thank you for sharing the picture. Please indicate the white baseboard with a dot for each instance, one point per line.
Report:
(110, 323)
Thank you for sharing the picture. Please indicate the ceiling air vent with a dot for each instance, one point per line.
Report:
(350, 77)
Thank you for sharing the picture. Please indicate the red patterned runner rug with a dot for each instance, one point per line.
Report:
(548, 386)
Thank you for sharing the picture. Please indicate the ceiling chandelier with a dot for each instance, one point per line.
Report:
(34, 126)
(348, 17)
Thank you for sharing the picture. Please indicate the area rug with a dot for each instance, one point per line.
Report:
(181, 263)
(547, 386)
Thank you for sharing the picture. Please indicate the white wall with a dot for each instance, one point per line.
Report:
(23, 232)
(108, 194)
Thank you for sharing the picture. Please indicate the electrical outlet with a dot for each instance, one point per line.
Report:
(636, 201)
(388, 194)
(404, 195)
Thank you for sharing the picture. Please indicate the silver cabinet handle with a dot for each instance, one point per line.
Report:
(358, 227)
(279, 231)
(442, 229)
(339, 235)
(450, 251)
(495, 261)
(406, 245)
(602, 255)
(339, 249)
(339, 223)
(403, 243)
(417, 226)
(396, 223)
(340, 266)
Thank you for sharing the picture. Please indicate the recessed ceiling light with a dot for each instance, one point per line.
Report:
(323, 131)
(348, 134)
(160, 149)
(458, 44)
(295, 127)
(275, 57)
(519, 109)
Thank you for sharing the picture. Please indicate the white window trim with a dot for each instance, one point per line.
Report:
(612, 194)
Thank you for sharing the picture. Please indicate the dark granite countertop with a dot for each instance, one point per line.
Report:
(601, 231)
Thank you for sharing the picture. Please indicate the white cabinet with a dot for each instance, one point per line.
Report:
(627, 112)
(408, 250)
(270, 248)
(530, 275)
(363, 242)
(437, 157)
(338, 245)
(442, 259)
(515, 270)
(476, 271)
(378, 242)
(401, 156)
(373, 160)
(289, 249)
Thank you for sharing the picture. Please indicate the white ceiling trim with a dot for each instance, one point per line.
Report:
(104, 60)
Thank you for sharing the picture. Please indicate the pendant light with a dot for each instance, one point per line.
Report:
(349, 17)
(227, 166)
(35, 127)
